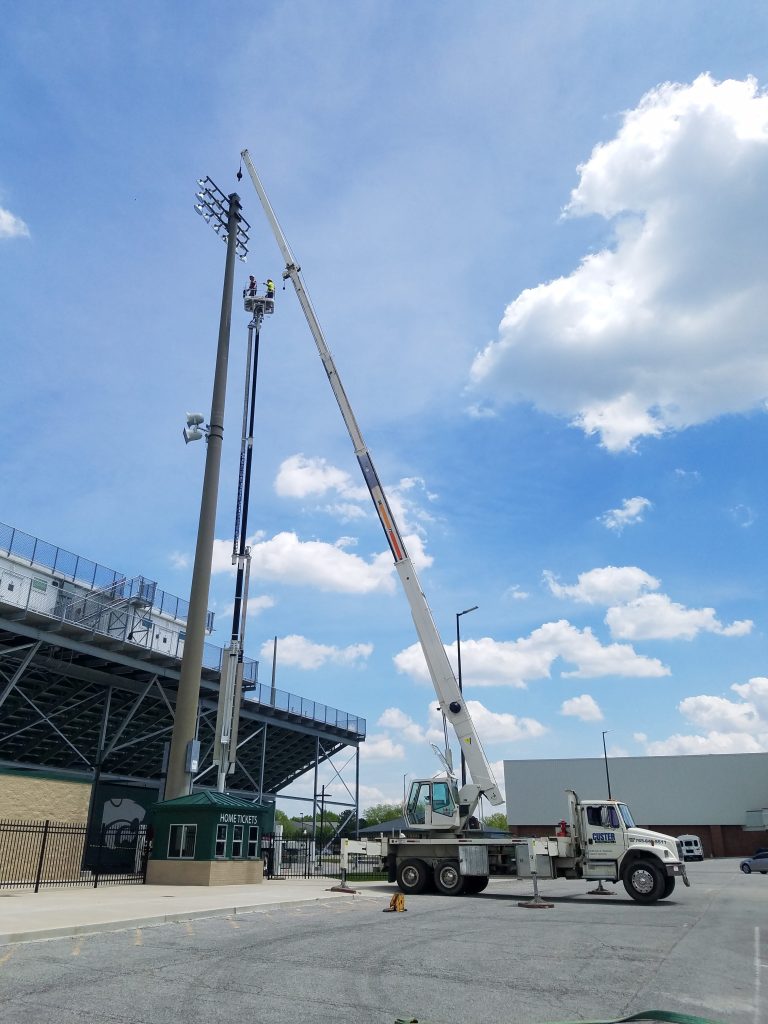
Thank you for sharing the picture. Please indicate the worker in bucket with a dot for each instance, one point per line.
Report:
(252, 285)
(270, 288)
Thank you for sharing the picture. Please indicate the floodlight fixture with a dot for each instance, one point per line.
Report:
(213, 207)
(194, 429)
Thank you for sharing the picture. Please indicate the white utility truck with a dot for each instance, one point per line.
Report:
(446, 848)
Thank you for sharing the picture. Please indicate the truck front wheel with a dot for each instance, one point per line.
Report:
(448, 879)
(669, 887)
(412, 876)
(644, 881)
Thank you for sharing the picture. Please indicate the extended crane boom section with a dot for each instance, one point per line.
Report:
(443, 679)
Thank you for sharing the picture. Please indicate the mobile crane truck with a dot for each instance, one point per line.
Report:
(446, 849)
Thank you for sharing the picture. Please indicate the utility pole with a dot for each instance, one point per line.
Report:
(461, 688)
(605, 756)
(224, 212)
(231, 685)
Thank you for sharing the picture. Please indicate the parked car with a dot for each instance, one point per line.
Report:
(759, 862)
(690, 847)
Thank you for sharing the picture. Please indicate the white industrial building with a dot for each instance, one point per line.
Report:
(722, 798)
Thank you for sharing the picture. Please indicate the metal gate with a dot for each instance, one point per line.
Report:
(42, 854)
(288, 858)
(305, 858)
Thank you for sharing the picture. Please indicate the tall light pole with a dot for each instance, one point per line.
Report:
(461, 688)
(605, 756)
(223, 214)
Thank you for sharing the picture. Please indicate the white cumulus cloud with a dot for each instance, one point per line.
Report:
(663, 328)
(12, 226)
(488, 662)
(300, 477)
(256, 605)
(394, 718)
(379, 747)
(607, 585)
(656, 617)
(630, 512)
(584, 707)
(297, 651)
(728, 726)
(179, 560)
(312, 563)
(492, 726)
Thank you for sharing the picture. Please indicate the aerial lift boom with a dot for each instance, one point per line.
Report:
(451, 699)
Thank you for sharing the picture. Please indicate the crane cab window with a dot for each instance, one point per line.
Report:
(442, 799)
(417, 803)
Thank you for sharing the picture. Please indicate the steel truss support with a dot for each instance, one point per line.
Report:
(129, 717)
(33, 649)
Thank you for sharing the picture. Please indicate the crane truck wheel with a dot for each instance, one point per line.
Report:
(669, 886)
(413, 876)
(448, 880)
(474, 884)
(644, 881)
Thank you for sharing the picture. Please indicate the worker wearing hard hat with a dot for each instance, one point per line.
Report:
(252, 285)
(270, 288)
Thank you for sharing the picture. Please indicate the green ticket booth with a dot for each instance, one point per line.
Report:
(207, 838)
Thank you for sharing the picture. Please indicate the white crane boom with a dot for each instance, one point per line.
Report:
(450, 697)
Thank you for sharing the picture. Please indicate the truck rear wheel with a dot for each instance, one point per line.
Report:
(644, 881)
(448, 879)
(412, 876)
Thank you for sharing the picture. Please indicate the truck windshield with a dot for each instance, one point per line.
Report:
(629, 821)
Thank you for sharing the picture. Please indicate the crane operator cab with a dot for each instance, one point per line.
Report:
(432, 804)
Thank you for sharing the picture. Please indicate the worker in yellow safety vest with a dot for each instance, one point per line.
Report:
(270, 288)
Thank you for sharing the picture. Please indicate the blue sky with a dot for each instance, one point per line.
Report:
(534, 235)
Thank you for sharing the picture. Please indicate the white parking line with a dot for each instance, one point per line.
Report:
(758, 965)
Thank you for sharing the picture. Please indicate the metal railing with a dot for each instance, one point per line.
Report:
(46, 854)
(301, 706)
(121, 609)
(68, 566)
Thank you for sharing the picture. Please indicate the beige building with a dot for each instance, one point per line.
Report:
(722, 798)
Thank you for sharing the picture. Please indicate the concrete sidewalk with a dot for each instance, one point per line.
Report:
(51, 913)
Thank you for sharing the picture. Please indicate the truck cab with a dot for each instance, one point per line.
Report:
(613, 848)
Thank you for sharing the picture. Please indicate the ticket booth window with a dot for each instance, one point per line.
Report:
(221, 840)
(253, 842)
(237, 841)
(181, 842)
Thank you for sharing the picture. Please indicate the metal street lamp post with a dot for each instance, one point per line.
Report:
(223, 214)
(461, 688)
(605, 756)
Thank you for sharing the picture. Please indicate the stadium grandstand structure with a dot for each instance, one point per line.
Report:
(89, 668)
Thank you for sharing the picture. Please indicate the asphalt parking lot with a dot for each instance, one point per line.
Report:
(478, 959)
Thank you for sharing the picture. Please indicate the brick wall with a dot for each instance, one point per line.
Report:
(28, 797)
